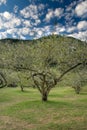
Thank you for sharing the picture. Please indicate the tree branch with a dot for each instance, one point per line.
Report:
(67, 71)
(3, 83)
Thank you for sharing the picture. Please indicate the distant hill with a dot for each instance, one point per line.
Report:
(12, 41)
(8, 47)
(57, 37)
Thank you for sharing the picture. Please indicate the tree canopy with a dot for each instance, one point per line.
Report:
(47, 59)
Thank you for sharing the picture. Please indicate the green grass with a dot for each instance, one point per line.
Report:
(25, 111)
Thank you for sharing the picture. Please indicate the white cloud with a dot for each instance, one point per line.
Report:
(81, 9)
(40, 33)
(10, 31)
(1, 23)
(26, 23)
(29, 11)
(70, 13)
(62, 29)
(33, 12)
(71, 6)
(49, 15)
(3, 2)
(37, 32)
(47, 30)
(17, 27)
(59, 29)
(6, 16)
(37, 21)
(8, 20)
(19, 31)
(71, 29)
(82, 25)
(82, 35)
(31, 33)
(24, 31)
(3, 35)
(16, 32)
(53, 13)
(11, 24)
(58, 12)
(14, 26)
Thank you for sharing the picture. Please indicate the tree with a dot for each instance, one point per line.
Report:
(52, 60)
(79, 80)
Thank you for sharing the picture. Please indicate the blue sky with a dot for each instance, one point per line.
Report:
(28, 19)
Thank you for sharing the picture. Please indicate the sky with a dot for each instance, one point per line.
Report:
(32, 19)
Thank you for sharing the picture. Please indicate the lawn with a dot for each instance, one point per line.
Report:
(25, 111)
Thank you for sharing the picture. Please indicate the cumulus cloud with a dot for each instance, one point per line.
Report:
(3, 35)
(24, 31)
(58, 12)
(32, 16)
(81, 9)
(69, 20)
(6, 15)
(82, 35)
(16, 27)
(3, 2)
(82, 25)
(38, 32)
(53, 13)
(33, 12)
(29, 11)
(48, 30)
(78, 30)
(71, 29)
(10, 31)
(26, 23)
(49, 15)
(70, 13)
(8, 20)
(71, 6)
(18, 32)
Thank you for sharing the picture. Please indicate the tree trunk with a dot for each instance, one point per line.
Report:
(22, 89)
(44, 97)
(78, 90)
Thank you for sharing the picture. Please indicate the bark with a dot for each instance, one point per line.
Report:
(3, 82)
(44, 97)
(77, 89)
(22, 89)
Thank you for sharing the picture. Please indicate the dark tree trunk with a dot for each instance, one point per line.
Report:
(22, 89)
(78, 92)
(78, 89)
(44, 97)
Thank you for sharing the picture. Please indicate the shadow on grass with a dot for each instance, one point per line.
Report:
(22, 92)
(40, 104)
(36, 105)
(48, 104)
(56, 95)
(83, 93)
(59, 103)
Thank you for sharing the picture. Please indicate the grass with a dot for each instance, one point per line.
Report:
(25, 111)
